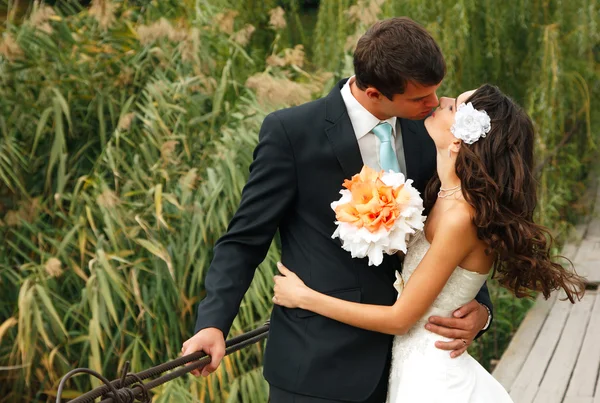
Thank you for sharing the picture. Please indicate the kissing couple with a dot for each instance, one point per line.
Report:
(344, 331)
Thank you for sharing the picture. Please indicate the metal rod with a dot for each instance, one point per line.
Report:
(119, 385)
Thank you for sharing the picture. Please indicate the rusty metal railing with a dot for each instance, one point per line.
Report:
(130, 388)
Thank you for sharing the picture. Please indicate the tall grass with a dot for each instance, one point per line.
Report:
(125, 145)
(126, 134)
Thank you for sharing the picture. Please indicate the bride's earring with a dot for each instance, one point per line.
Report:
(449, 153)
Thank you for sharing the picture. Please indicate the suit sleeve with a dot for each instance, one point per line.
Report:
(483, 297)
(269, 192)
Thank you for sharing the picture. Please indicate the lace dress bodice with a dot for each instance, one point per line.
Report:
(461, 288)
(421, 372)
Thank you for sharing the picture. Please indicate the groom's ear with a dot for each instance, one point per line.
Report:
(373, 94)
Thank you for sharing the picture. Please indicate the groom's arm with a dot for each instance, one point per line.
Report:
(267, 195)
(467, 324)
(483, 297)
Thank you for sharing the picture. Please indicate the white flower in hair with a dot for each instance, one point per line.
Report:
(470, 124)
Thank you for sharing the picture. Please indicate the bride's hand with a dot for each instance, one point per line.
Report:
(289, 289)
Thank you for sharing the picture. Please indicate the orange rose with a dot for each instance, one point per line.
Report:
(366, 175)
(373, 203)
(347, 213)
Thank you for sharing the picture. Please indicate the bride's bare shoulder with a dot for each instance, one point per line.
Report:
(459, 219)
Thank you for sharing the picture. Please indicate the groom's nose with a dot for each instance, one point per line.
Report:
(432, 101)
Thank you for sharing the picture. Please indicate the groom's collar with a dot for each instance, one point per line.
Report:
(335, 107)
(362, 120)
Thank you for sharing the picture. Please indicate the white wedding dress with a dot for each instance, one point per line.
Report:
(422, 373)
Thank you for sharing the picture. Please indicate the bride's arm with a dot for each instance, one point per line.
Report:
(453, 241)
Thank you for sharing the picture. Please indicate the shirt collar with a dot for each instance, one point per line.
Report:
(362, 120)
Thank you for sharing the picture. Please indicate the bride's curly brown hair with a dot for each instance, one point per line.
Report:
(497, 180)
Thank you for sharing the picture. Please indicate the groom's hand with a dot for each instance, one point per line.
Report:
(212, 342)
(467, 322)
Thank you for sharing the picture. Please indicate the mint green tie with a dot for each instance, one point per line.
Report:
(387, 156)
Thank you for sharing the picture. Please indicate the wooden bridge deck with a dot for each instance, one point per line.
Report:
(554, 357)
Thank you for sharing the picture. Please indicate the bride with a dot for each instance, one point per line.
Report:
(481, 205)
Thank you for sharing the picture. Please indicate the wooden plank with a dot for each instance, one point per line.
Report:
(597, 396)
(589, 270)
(569, 250)
(585, 375)
(530, 376)
(587, 261)
(573, 399)
(594, 228)
(588, 251)
(520, 345)
(575, 237)
(555, 382)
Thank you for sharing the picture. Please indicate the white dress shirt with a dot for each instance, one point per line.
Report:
(363, 123)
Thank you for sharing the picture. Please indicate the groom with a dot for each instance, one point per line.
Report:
(303, 156)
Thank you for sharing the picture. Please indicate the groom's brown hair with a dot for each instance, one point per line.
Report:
(395, 51)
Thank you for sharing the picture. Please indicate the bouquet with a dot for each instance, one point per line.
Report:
(377, 213)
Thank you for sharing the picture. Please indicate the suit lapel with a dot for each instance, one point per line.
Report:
(412, 149)
(341, 133)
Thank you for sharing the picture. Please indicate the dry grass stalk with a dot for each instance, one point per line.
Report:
(125, 77)
(158, 30)
(27, 212)
(125, 121)
(275, 61)
(7, 324)
(53, 267)
(295, 56)
(279, 91)
(188, 47)
(207, 85)
(242, 37)
(290, 57)
(10, 49)
(277, 20)
(40, 16)
(108, 199)
(167, 151)
(224, 21)
(188, 181)
(365, 12)
(104, 12)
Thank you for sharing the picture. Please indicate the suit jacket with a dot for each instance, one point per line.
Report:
(303, 156)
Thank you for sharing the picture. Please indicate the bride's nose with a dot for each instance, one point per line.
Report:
(444, 101)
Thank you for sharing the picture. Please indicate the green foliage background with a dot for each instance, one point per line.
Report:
(126, 131)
